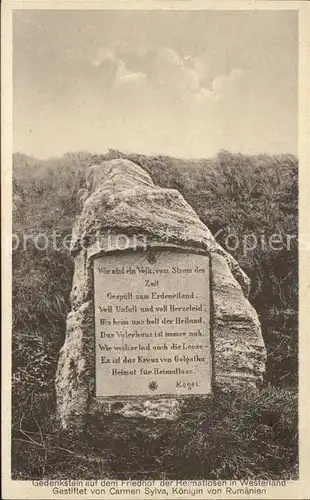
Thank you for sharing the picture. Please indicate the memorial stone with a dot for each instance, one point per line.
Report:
(159, 310)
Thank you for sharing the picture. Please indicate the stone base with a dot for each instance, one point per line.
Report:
(167, 409)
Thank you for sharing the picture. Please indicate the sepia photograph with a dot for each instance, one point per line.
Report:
(155, 324)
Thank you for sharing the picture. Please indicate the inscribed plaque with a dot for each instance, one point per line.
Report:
(152, 324)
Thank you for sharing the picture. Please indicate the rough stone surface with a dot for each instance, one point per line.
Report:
(121, 199)
(239, 350)
(168, 409)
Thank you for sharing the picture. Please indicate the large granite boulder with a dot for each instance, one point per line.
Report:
(121, 199)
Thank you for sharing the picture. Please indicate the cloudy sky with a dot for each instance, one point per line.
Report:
(185, 83)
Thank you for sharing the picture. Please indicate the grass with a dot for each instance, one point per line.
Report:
(233, 437)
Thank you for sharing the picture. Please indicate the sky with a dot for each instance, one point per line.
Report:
(181, 83)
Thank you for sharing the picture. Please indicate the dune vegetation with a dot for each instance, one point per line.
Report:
(247, 202)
